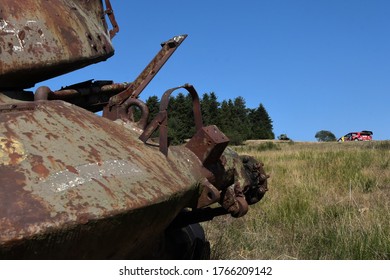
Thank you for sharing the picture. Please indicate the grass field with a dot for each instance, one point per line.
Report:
(325, 201)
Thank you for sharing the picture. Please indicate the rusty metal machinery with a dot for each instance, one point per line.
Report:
(76, 185)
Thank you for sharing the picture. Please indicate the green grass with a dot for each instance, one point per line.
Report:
(325, 201)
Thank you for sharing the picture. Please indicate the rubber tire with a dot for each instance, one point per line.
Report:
(187, 243)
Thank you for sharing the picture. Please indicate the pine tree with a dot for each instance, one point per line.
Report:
(180, 118)
(225, 115)
(240, 118)
(229, 120)
(154, 106)
(262, 127)
(210, 109)
(204, 106)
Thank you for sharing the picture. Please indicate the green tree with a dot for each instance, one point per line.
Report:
(180, 118)
(204, 106)
(210, 108)
(227, 122)
(225, 115)
(233, 120)
(325, 136)
(154, 106)
(261, 123)
(241, 123)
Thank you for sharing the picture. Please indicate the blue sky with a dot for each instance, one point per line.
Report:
(314, 65)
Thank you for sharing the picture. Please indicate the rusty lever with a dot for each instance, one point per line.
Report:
(136, 87)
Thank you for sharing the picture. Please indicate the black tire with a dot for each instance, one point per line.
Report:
(187, 243)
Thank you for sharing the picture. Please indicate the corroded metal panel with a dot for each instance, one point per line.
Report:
(71, 182)
(42, 39)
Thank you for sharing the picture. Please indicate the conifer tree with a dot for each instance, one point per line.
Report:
(180, 118)
(262, 127)
(154, 106)
(229, 120)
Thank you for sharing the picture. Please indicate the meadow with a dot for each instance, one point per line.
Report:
(325, 201)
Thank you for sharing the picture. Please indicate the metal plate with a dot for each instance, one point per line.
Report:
(42, 39)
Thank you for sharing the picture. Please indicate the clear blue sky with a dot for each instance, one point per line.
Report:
(314, 65)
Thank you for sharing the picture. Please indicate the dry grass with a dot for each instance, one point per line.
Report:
(326, 201)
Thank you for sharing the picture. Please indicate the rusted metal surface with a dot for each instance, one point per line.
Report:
(72, 182)
(210, 194)
(208, 144)
(62, 167)
(67, 174)
(110, 13)
(41, 39)
(241, 179)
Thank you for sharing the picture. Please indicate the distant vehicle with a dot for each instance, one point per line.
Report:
(283, 137)
(364, 135)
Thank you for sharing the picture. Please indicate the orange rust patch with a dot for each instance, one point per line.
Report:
(38, 166)
(41, 170)
(72, 169)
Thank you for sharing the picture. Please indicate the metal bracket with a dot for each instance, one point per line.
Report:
(125, 112)
(161, 120)
(110, 13)
(209, 194)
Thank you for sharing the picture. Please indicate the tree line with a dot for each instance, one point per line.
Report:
(232, 117)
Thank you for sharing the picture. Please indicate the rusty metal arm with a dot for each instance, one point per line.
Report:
(90, 95)
(161, 120)
(136, 87)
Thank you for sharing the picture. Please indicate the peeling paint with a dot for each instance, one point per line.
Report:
(65, 179)
(41, 39)
(11, 151)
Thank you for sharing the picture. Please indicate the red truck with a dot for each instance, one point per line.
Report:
(364, 135)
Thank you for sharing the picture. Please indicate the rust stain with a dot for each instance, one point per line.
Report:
(51, 136)
(55, 163)
(110, 146)
(41, 170)
(72, 169)
(95, 154)
(107, 189)
(29, 135)
(38, 166)
(15, 158)
(10, 134)
(83, 218)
